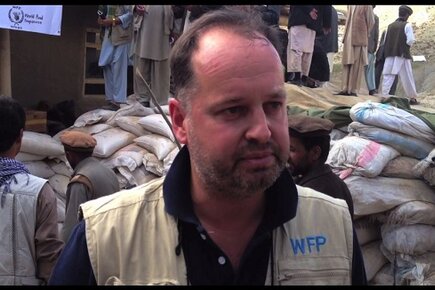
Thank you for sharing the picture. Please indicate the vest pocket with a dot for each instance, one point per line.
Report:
(314, 271)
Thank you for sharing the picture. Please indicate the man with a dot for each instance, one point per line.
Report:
(398, 41)
(309, 149)
(359, 22)
(379, 66)
(305, 21)
(117, 21)
(227, 212)
(330, 40)
(150, 50)
(90, 179)
(30, 243)
(371, 49)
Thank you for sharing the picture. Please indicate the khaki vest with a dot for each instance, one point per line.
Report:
(119, 34)
(313, 248)
(18, 226)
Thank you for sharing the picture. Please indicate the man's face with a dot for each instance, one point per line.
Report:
(300, 159)
(236, 130)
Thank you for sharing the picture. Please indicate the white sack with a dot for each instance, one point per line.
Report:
(41, 144)
(156, 124)
(374, 260)
(391, 118)
(406, 145)
(134, 109)
(354, 155)
(153, 164)
(408, 239)
(131, 124)
(60, 167)
(110, 141)
(129, 156)
(59, 183)
(411, 212)
(93, 117)
(400, 167)
(157, 144)
(379, 194)
(165, 109)
(23, 156)
(39, 168)
(138, 176)
(384, 276)
(367, 231)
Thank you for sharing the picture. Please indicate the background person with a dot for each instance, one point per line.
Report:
(90, 179)
(359, 22)
(118, 29)
(379, 66)
(309, 149)
(398, 40)
(150, 50)
(371, 49)
(226, 210)
(305, 21)
(30, 243)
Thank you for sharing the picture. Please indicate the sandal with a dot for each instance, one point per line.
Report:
(413, 101)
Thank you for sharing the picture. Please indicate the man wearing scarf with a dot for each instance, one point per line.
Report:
(30, 243)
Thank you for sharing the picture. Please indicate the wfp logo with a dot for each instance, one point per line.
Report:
(16, 15)
(308, 244)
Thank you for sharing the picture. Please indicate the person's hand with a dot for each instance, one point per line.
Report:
(105, 22)
(313, 13)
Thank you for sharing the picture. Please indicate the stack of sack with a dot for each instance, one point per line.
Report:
(45, 157)
(135, 141)
(386, 161)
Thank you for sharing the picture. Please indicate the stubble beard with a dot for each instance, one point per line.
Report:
(233, 182)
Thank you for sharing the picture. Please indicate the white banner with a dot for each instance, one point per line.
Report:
(45, 19)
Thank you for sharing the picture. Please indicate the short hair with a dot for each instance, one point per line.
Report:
(12, 120)
(309, 142)
(244, 23)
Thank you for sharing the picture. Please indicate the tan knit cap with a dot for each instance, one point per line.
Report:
(78, 141)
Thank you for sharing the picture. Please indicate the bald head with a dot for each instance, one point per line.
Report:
(237, 22)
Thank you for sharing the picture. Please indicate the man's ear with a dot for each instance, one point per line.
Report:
(178, 117)
(315, 153)
(18, 142)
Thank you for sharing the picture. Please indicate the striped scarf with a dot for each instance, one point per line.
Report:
(8, 168)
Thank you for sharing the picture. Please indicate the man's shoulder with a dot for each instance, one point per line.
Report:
(147, 192)
(309, 194)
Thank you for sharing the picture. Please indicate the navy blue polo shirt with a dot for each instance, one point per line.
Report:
(206, 264)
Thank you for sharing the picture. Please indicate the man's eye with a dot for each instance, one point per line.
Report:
(272, 106)
(233, 111)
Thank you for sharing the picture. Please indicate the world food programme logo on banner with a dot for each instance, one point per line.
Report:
(16, 15)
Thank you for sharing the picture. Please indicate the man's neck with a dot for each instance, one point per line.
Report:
(231, 224)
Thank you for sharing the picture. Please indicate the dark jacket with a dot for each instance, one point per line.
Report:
(374, 37)
(395, 40)
(300, 15)
(324, 180)
(330, 40)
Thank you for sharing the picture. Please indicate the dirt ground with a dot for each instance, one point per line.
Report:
(423, 21)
